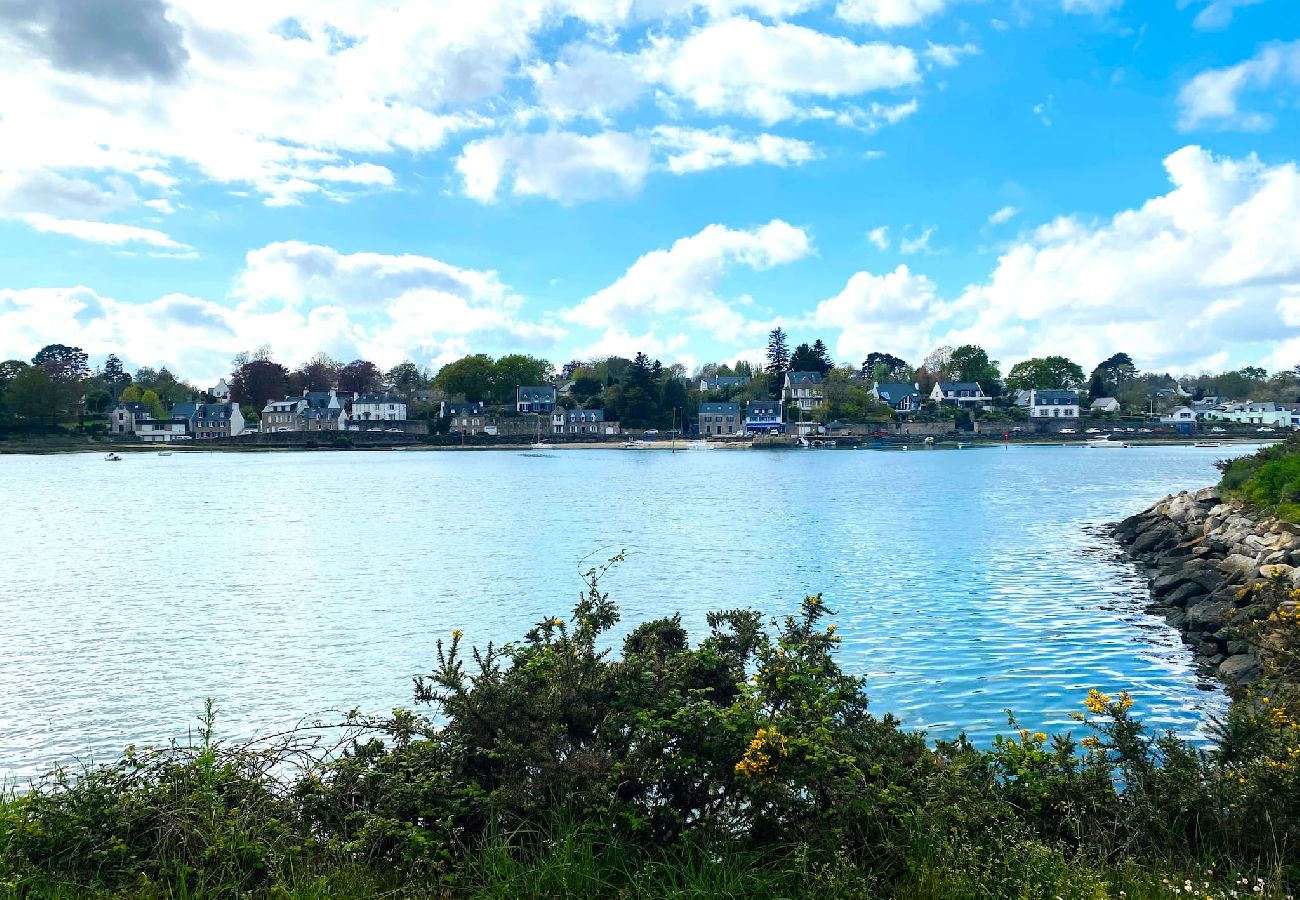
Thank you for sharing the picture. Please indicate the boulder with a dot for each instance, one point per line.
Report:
(1176, 618)
(1240, 667)
(1183, 594)
(1209, 495)
(1238, 568)
(1276, 570)
(1208, 615)
(1153, 539)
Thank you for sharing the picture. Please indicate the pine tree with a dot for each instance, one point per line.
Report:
(778, 360)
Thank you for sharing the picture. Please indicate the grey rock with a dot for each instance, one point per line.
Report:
(1240, 667)
(1209, 615)
(1238, 568)
(1176, 618)
(1183, 594)
(1207, 495)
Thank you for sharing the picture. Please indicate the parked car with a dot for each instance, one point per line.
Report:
(1130, 429)
(1145, 430)
(1217, 430)
(1093, 431)
(1067, 431)
(1264, 428)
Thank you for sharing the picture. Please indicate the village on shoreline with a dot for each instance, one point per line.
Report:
(798, 398)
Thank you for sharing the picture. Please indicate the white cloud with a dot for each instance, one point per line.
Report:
(1225, 238)
(682, 281)
(879, 237)
(1004, 215)
(766, 71)
(1217, 14)
(572, 168)
(1091, 7)
(101, 232)
(560, 165)
(888, 13)
(588, 82)
(695, 150)
(1213, 97)
(918, 244)
(880, 312)
(948, 55)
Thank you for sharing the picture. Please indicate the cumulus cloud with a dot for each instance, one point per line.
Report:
(879, 237)
(559, 165)
(1091, 7)
(918, 244)
(873, 312)
(683, 280)
(1217, 14)
(888, 13)
(767, 71)
(572, 168)
(1226, 237)
(129, 39)
(695, 150)
(1004, 215)
(1213, 98)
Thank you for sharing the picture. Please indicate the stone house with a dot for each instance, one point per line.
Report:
(720, 418)
(804, 390)
(540, 399)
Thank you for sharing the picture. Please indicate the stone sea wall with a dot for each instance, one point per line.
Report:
(1203, 555)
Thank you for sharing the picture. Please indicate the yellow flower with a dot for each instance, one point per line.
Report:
(1040, 737)
(1096, 702)
(1125, 701)
(457, 634)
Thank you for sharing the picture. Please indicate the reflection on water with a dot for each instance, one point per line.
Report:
(290, 583)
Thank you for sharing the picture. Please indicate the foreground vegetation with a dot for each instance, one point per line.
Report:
(1269, 479)
(747, 765)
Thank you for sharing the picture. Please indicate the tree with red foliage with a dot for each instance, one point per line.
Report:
(258, 381)
(359, 376)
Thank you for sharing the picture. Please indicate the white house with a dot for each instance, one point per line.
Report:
(581, 421)
(1053, 404)
(1182, 417)
(161, 431)
(962, 393)
(1276, 415)
(1105, 405)
(221, 390)
(804, 389)
(381, 407)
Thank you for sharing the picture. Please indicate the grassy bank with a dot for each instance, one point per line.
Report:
(746, 764)
(1269, 479)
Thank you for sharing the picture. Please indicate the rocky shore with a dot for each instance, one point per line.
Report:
(1203, 556)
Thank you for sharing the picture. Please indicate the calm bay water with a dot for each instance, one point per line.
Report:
(284, 585)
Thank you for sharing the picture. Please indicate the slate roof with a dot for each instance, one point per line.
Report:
(896, 393)
(725, 381)
(184, 410)
(379, 397)
(804, 377)
(138, 409)
(764, 407)
(537, 394)
(583, 415)
(1055, 398)
(462, 409)
(714, 409)
(213, 413)
(958, 386)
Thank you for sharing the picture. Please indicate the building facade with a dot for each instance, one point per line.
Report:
(960, 393)
(1053, 404)
(902, 398)
(582, 421)
(465, 418)
(540, 399)
(217, 420)
(763, 417)
(720, 418)
(378, 407)
(804, 390)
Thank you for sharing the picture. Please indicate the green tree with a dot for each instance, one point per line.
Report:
(886, 367)
(470, 377)
(1043, 373)
(515, 370)
(1111, 375)
(151, 401)
(320, 373)
(778, 361)
(9, 370)
(130, 395)
(969, 362)
(639, 402)
(33, 396)
(405, 378)
(115, 377)
(811, 358)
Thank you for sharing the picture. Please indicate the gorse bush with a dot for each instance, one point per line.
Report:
(747, 764)
(1270, 478)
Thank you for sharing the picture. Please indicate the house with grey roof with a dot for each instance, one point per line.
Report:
(805, 390)
(582, 421)
(723, 382)
(720, 418)
(537, 399)
(465, 417)
(123, 417)
(378, 406)
(959, 393)
(1105, 405)
(217, 420)
(902, 398)
(162, 431)
(1053, 404)
(763, 417)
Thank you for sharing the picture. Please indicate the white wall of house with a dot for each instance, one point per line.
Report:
(394, 411)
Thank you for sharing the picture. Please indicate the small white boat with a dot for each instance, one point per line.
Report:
(541, 445)
(1105, 443)
(112, 457)
(164, 453)
(1207, 444)
(700, 445)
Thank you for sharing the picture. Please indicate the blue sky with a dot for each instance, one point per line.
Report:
(179, 181)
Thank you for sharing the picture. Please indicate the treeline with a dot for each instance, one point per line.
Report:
(58, 385)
